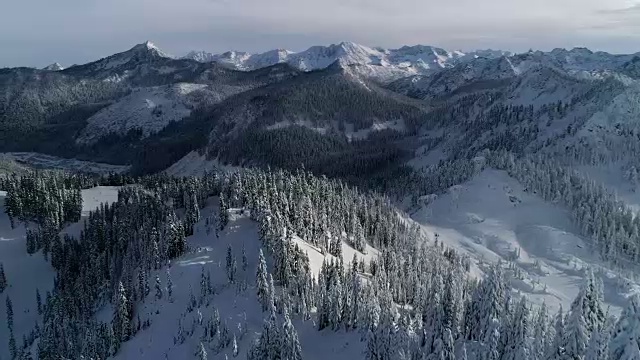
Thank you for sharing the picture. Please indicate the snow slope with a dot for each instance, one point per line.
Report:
(148, 109)
(493, 218)
(238, 308)
(194, 164)
(27, 273)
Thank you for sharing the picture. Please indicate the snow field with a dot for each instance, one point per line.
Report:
(493, 218)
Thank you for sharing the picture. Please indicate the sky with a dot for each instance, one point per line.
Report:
(40, 32)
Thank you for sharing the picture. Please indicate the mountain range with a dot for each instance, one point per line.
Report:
(411, 203)
(145, 108)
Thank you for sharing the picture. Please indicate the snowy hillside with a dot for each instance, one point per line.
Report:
(493, 218)
(146, 109)
(27, 274)
(236, 304)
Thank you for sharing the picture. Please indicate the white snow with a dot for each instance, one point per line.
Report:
(492, 217)
(382, 64)
(53, 67)
(25, 273)
(234, 305)
(149, 109)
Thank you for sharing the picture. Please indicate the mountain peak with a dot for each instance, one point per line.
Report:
(53, 67)
(150, 48)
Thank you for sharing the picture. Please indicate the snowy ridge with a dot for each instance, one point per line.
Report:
(147, 109)
(376, 62)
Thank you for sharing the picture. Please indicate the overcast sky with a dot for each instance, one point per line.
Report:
(40, 32)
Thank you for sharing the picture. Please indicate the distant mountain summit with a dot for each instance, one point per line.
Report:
(53, 67)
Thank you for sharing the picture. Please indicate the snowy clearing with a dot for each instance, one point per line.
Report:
(493, 218)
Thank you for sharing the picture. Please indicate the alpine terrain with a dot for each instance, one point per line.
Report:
(341, 202)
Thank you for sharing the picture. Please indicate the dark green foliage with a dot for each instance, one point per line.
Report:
(55, 137)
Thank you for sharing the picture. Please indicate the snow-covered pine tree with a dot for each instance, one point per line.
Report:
(201, 353)
(231, 265)
(234, 346)
(204, 289)
(625, 341)
(596, 349)
(443, 348)
(245, 261)
(556, 349)
(290, 346)
(262, 285)
(593, 310)
(169, 285)
(518, 347)
(490, 299)
(491, 340)
(540, 333)
(120, 323)
(223, 215)
(575, 334)
(158, 287)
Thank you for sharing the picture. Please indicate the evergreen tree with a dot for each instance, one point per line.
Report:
(291, 349)
(158, 287)
(576, 336)
(12, 341)
(491, 340)
(245, 261)
(540, 334)
(231, 265)
(517, 347)
(625, 342)
(38, 302)
(120, 323)
(201, 354)
(596, 350)
(234, 346)
(169, 286)
(223, 215)
(3, 279)
(556, 349)
(9, 305)
(262, 286)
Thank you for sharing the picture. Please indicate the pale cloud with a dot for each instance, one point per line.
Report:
(37, 32)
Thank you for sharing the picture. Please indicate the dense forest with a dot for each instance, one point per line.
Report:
(415, 301)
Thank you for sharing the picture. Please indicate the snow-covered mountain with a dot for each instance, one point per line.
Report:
(53, 67)
(510, 181)
(386, 63)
